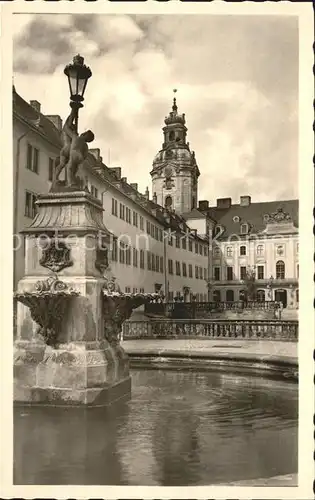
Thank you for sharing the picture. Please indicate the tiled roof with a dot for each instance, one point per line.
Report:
(252, 214)
(194, 214)
(35, 120)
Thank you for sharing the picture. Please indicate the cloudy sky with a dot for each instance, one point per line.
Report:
(237, 81)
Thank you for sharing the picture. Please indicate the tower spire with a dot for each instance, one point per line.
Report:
(174, 107)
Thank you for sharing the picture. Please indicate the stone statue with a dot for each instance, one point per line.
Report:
(74, 151)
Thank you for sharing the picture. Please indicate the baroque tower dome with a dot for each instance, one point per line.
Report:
(175, 171)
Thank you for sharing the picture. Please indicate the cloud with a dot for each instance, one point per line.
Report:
(237, 80)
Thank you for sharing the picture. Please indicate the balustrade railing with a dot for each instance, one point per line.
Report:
(233, 329)
(191, 309)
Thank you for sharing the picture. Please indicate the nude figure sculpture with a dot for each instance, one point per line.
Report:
(74, 151)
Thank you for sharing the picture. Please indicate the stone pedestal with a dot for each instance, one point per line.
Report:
(62, 353)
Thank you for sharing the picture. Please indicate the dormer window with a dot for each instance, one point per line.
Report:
(218, 230)
(236, 218)
(244, 228)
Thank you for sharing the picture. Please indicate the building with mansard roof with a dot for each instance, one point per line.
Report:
(171, 242)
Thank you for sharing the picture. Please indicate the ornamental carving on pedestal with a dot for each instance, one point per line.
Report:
(56, 256)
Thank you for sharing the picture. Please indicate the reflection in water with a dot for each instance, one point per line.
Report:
(181, 428)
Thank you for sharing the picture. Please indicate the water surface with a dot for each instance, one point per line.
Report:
(180, 428)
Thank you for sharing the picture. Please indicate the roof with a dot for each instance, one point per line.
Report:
(195, 214)
(37, 121)
(253, 215)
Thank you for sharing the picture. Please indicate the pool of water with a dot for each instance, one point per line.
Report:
(180, 428)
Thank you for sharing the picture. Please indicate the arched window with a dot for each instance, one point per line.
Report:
(261, 295)
(260, 250)
(168, 201)
(230, 296)
(229, 251)
(217, 296)
(243, 250)
(280, 270)
(171, 135)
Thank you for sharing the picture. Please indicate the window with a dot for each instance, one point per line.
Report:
(297, 249)
(94, 191)
(217, 274)
(205, 251)
(135, 257)
(184, 269)
(230, 296)
(243, 272)
(229, 251)
(297, 270)
(168, 202)
(170, 266)
(51, 164)
(153, 262)
(148, 227)
(260, 272)
(141, 223)
(243, 250)
(160, 234)
(161, 265)
(184, 243)
(229, 273)
(196, 272)
(280, 270)
(128, 215)
(128, 256)
(190, 245)
(30, 204)
(122, 211)
(260, 250)
(196, 247)
(121, 253)
(216, 296)
(114, 250)
(177, 268)
(244, 228)
(135, 290)
(297, 295)
(261, 295)
(127, 289)
(177, 241)
(149, 260)
(205, 273)
(170, 240)
(190, 272)
(200, 249)
(157, 263)
(135, 218)
(171, 135)
(114, 206)
(32, 158)
(216, 251)
(141, 290)
(142, 259)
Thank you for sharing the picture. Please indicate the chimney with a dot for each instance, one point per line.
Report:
(116, 171)
(245, 201)
(134, 186)
(124, 179)
(224, 202)
(55, 120)
(96, 153)
(203, 205)
(35, 105)
(146, 194)
(154, 199)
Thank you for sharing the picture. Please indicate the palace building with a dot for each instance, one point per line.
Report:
(170, 242)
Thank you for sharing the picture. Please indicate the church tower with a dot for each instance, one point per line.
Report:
(175, 171)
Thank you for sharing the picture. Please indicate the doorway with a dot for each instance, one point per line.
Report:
(281, 296)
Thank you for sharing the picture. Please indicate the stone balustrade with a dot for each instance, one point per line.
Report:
(233, 329)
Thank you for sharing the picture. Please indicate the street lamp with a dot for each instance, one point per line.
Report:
(78, 74)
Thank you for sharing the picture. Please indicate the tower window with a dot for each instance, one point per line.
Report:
(168, 201)
(171, 135)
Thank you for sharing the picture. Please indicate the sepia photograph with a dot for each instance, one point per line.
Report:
(157, 322)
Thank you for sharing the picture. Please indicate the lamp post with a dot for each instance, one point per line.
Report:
(78, 74)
